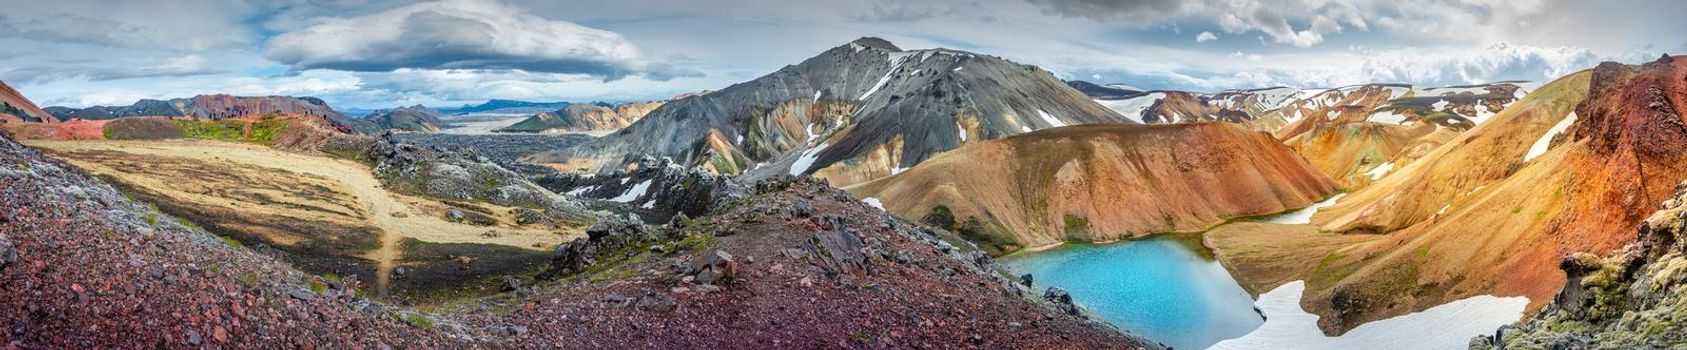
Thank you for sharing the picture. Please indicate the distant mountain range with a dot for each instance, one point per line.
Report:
(506, 106)
(579, 117)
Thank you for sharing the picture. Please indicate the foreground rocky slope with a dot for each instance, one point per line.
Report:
(793, 263)
(1102, 183)
(796, 264)
(1631, 299)
(81, 266)
(854, 113)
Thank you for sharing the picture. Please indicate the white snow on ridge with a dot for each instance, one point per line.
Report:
(1378, 172)
(1133, 107)
(807, 159)
(1276, 98)
(1545, 142)
(637, 191)
(1474, 90)
(1439, 105)
(1050, 119)
(816, 96)
(1304, 216)
(961, 131)
(1447, 326)
(896, 59)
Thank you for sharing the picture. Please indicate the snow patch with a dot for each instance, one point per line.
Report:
(1303, 216)
(632, 194)
(1482, 114)
(874, 202)
(1331, 115)
(649, 205)
(807, 159)
(1387, 116)
(580, 191)
(1133, 108)
(1049, 119)
(1294, 118)
(961, 131)
(1380, 170)
(1545, 142)
(1447, 326)
(816, 96)
(896, 59)
(1440, 105)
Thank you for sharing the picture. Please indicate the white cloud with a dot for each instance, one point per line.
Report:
(1497, 62)
(462, 34)
(1205, 37)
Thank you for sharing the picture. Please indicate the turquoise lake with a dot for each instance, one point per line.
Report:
(1166, 288)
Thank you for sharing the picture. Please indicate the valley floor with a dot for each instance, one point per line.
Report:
(235, 177)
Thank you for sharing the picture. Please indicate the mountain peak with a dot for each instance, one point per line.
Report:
(876, 43)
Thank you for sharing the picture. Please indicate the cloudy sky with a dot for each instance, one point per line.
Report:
(382, 53)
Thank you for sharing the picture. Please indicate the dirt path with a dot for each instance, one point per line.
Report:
(386, 210)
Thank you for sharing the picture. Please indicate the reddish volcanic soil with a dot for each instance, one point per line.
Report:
(65, 131)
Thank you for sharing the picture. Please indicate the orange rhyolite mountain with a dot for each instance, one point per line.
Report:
(1483, 214)
(1104, 182)
(12, 104)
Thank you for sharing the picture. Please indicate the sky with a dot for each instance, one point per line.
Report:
(366, 54)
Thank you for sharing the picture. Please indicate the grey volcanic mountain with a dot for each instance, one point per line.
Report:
(856, 112)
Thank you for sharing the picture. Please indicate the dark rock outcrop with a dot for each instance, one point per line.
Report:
(654, 184)
(1632, 299)
(460, 175)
